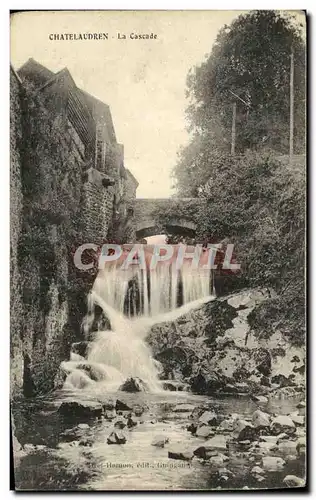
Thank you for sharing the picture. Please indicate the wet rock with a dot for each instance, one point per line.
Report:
(283, 423)
(272, 463)
(138, 410)
(260, 419)
(86, 441)
(204, 431)
(294, 481)
(217, 461)
(208, 418)
(133, 384)
(295, 359)
(282, 380)
(120, 424)
(95, 372)
(227, 425)
(174, 385)
(168, 386)
(159, 441)
(242, 387)
(287, 447)
(184, 408)
(131, 423)
(299, 369)
(80, 411)
(297, 419)
(180, 454)
(223, 479)
(83, 426)
(116, 437)
(281, 437)
(301, 446)
(265, 381)
(244, 445)
(257, 470)
(81, 348)
(244, 430)
(269, 439)
(301, 404)
(120, 406)
(192, 428)
(109, 414)
(226, 472)
(268, 446)
(260, 399)
(215, 444)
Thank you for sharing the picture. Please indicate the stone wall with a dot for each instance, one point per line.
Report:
(65, 202)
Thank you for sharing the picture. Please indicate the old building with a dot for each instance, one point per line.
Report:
(88, 122)
(69, 186)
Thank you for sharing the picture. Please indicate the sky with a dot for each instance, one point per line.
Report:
(143, 81)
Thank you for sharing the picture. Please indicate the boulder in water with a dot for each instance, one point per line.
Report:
(180, 454)
(272, 464)
(287, 447)
(138, 410)
(133, 384)
(283, 423)
(260, 419)
(120, 406)
(82, 410)
(94, 371)
(208, 418)
(159, 441)
(120, 424)
(293, 481)
(211, 447)
(204, 431)
(184, 408)
(81, 348)
(131, 422)
(116, 437)
(244, 430)
(301, 404)
(260, 399)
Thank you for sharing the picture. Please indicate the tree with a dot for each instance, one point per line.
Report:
(250, 58)
(258, 204)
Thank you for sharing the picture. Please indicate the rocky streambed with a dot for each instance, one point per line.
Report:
(173, 440)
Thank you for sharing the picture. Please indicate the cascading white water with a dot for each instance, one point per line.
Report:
(160, 294)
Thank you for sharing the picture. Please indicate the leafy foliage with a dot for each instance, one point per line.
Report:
(250, 58)
(258, 204)
(252, 199)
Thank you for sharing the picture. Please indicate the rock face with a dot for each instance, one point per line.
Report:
(215, 350)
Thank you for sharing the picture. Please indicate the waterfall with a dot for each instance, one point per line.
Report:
(133, 300)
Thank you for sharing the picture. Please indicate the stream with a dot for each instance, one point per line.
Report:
(63, 455)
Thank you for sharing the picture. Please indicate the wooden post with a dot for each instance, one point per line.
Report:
(233, 143)
(292, 105)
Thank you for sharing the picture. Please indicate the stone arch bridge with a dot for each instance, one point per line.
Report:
(151, 214)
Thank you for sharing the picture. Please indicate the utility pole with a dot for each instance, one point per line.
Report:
(233, 143)
(292, 105)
